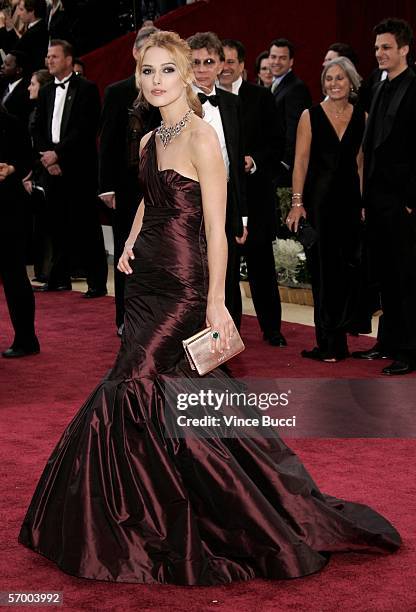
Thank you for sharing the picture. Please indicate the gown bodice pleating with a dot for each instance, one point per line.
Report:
(120, 500)
(165, 297)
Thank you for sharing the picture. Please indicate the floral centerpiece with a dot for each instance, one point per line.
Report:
(290, 262)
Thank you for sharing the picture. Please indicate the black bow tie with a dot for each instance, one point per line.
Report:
(211, 99)
(63, 83)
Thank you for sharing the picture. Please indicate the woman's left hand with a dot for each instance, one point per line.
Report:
(295, 214)
(221, 323)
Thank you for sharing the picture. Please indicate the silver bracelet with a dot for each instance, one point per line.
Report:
(296, 204)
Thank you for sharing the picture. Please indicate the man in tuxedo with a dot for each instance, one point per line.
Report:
(390, 197)
(291, 96)
(15, 162)
(122, 127)
(34, 42)
(261, 159)
(222, 110)
(13, 86)
(64, 134)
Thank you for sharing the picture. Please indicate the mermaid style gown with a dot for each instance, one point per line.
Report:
(121, 501)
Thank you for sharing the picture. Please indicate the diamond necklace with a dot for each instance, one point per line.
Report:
(167, 133)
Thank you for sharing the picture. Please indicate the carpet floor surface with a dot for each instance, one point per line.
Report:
(40, 394)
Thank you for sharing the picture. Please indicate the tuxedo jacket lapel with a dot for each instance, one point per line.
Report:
(285, 82)
(395, 102)
(394, 106)
(227, 123)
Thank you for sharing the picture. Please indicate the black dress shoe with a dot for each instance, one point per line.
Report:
(319, 355)
(47, 287)
(20, 351)
(94, 293)
(275, 339)
(40, 278)
(398, 367)
(373, 353)
(315, 353)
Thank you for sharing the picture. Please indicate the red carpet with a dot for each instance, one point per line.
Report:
(39, 395)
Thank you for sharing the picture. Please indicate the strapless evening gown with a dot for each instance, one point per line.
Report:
(121, 501)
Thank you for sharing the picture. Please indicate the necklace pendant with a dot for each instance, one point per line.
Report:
(167, 133)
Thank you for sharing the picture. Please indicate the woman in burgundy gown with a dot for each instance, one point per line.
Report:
(120, 500)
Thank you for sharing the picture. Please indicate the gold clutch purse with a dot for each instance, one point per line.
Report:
(198, 351)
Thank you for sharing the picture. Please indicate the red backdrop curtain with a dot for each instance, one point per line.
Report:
(311, 25)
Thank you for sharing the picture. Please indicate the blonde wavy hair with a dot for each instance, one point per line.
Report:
(180, 52)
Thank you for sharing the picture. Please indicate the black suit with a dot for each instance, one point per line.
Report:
(34, 43)
(231, 119)
(291, 97)
(18, 102)
(367, 87)
(72, 197)
(8, 39)
(390, 187)
(15, 150)
(261, 144)
(120, 134)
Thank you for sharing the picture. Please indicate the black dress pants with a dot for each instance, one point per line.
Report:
(331, 306)
(263, 285)
(17, 288)
(392, 242)
(73, 215)
(232, 282)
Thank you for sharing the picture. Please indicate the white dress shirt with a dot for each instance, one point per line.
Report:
(58, 108)
(10, 88)
(235, 86)
(235, 89)
(213, 117)
(30, 25)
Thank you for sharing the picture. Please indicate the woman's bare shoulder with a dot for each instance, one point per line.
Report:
(203, 137)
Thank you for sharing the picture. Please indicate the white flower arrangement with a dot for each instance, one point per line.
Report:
(290, 261)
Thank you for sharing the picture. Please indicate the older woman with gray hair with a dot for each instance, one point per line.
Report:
(326, 192)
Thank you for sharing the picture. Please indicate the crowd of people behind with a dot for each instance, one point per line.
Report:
(349, 160)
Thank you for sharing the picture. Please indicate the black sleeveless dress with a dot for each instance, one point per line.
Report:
(121, 501)
(333, 204)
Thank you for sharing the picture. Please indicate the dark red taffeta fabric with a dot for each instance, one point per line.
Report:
(120, 500)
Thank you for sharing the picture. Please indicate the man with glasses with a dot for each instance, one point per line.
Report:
(222, 111)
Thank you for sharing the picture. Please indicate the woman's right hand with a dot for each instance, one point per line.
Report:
(123, 262)
(295, 214)
(222, 327)
(27, 184)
